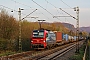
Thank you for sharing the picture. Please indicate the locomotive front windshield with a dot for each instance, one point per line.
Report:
(38, 34)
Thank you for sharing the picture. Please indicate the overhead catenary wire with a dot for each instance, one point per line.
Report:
(52, 5)
(66, 4)
(65, 11)
(43, 14)
(21, 3)
(29, 14)
(44, 9)
(28, 6)
(8, 8)
(11, 9)
(56, 7)
(68, 13)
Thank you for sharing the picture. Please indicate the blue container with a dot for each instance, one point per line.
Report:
(75, 38)
(66, 37)
(63, 36)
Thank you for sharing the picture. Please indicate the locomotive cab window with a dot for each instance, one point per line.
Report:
(38, 34)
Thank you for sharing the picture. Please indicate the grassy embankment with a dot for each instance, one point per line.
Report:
(88, 51)
(79, 56)
(6, 53)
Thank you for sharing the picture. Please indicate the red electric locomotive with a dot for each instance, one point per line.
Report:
(39, 39)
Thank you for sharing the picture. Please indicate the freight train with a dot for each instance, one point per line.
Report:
(42, 39)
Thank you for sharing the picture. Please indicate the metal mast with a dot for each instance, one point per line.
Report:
(20, 45)
(77, 29)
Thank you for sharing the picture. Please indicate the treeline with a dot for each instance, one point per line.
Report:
(9, 31)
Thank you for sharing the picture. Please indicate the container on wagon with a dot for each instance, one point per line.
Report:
(69, 37)
(66, 37)
(63, 36)
(74, 38)
(51, 38)
(58, 36)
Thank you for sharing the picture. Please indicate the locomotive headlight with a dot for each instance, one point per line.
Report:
(44, 41)
(31, 41)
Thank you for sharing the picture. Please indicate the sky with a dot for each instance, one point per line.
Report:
(47, 9)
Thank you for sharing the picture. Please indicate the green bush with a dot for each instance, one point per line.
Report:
(26, 44)
(3, 44)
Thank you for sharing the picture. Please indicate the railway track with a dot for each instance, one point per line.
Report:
(16, 56)
(48, 55)
(55, 53)
(60, 53)
(51, 54)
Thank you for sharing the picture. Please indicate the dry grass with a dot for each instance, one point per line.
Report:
(89, 42)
